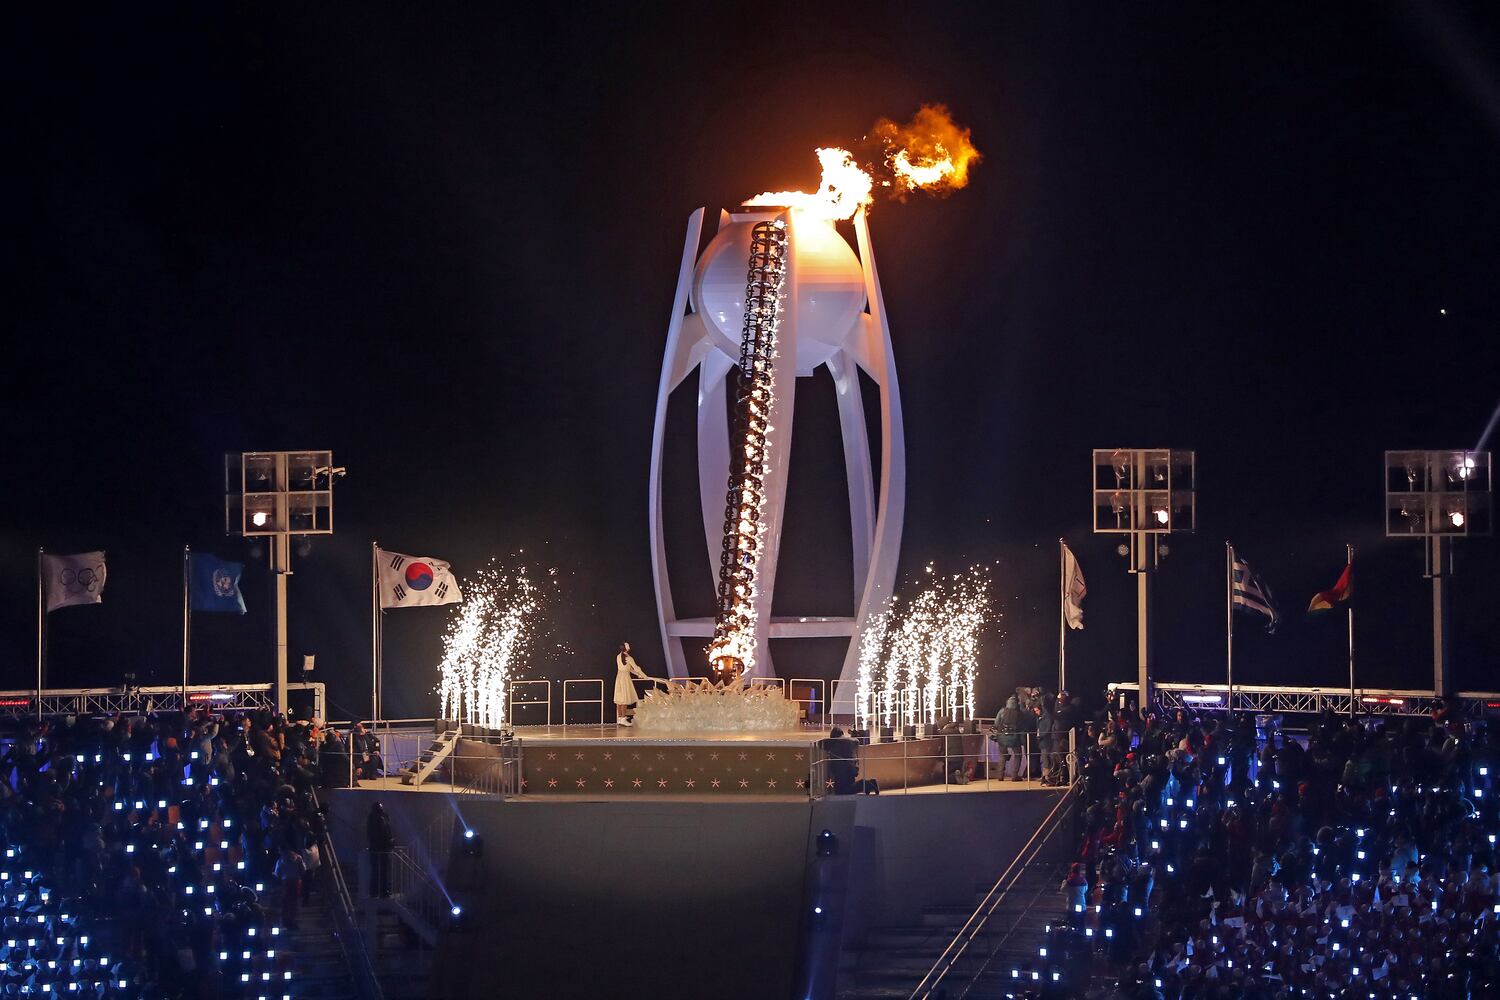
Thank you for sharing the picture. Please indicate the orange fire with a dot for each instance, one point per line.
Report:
(845, 189)
(931, 153)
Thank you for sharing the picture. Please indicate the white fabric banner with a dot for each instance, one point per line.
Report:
(75, 579)
(1073, 589)
(415, 581)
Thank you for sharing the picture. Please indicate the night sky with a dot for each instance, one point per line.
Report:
(444, 243)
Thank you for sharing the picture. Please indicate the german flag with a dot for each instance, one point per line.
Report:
(1336, 598)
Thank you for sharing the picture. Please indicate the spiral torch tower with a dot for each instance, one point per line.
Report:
(775, 295)
(732, 651)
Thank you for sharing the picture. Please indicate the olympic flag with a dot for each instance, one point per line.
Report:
(415, 581)
(75, 579)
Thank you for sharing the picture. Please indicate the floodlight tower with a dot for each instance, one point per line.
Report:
(275, 495)
(1438, 496)
(1144, 494)
(826, 310)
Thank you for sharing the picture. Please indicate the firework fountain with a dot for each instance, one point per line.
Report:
(917, 659)
(489, 641)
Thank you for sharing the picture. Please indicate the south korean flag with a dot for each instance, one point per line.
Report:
(415, 581)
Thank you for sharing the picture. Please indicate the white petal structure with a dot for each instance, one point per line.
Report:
(829, 313)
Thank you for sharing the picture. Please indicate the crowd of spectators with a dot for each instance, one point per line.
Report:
(1218, 860)
(159, 856)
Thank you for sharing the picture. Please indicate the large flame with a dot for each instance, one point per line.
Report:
(931, 152)
(845, 189)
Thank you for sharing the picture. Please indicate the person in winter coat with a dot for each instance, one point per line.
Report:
(1010, 733)
(1045, 724)
(381, 840)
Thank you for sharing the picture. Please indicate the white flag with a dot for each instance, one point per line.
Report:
(75, 579)
(1073, 589)
(415, 581)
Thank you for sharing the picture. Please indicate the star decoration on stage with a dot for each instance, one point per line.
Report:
(675, 769)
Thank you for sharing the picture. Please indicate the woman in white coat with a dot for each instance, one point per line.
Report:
(625, 699)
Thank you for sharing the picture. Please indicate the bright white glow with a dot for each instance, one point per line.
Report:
(487, 643)
(1163, 515)
(259, 519)
(1457, 517)
(919, 658)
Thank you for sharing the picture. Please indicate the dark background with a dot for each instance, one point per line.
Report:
(444, 245)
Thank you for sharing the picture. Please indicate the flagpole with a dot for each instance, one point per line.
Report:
(1062, 616)
(374, 633)
(1349, 556)
(187, 635)
(41, 632)
(1229, 626)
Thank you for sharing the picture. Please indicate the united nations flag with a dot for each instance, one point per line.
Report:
(215, 584)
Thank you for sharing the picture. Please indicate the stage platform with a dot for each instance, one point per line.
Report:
(978, 786)
(607, 762)
(801, 736)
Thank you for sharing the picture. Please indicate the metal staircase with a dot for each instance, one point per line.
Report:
(894, 959)
(430, 759)
(974, 948)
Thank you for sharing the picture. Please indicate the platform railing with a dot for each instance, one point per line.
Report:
(528, 687)
(409, 888)
(498, 777)
(989, 769)
(819, 689)
(585, 683)
(934, 985)
(352, 941)
(842, 697)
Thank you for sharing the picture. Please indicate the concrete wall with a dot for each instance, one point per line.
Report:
(910, 852)
(691, 899)
(615, 899)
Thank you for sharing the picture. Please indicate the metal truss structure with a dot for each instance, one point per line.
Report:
(1308, 700)
(141, 700)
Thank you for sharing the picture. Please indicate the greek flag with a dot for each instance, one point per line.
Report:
(1250, 593)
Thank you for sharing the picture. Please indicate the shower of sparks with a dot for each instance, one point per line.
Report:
(917, 660)
(488, 642)
(871, 650)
